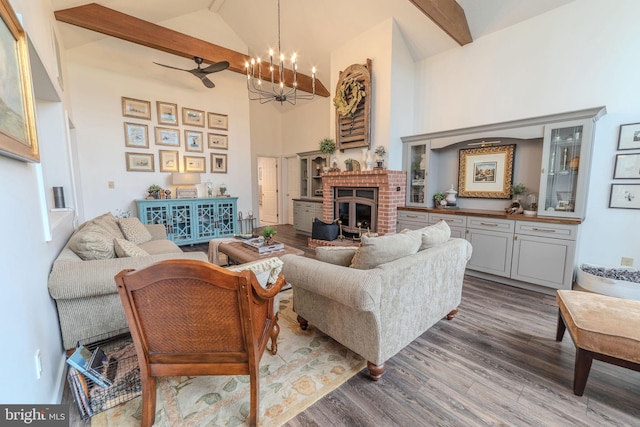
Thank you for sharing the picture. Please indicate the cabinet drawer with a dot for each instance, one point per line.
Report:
(480, 223)
(452, 220)
(544, 229)
(413, 216)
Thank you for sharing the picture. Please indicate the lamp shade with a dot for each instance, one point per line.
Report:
(185, 178)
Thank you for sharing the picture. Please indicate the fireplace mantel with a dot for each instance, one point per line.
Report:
(391, 187)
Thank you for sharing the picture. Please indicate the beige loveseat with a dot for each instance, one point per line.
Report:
(397, 287)
(82, 277)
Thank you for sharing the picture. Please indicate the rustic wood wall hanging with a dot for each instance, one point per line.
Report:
(353, 107)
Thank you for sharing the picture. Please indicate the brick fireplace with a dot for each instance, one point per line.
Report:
(391, 187)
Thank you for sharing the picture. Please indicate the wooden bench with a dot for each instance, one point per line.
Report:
(602, 328)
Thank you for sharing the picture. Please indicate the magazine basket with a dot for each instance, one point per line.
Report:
(92, 398)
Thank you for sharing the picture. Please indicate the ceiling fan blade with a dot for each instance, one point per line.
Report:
(208, 83)
(169, 66)
(214, 68)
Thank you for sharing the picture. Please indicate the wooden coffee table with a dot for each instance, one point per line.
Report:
(239, 253)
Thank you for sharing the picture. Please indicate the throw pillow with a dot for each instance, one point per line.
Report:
(109, 223)
(374, 251)
(265, 270)
(125, 248)
(435, 234)
(134, 231)
(92, 242)
(338, 255)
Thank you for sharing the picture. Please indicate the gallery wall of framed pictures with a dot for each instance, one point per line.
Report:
(627, 167)
(188, 132)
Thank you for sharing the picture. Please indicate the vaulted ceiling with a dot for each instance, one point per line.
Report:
(314, 28)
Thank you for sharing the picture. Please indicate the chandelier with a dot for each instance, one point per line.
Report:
(275, 89)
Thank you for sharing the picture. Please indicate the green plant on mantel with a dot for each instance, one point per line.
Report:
(348, 161)
(380, 151)
(518, 189)
(327, 146)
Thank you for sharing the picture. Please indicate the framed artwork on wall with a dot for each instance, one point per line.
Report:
(167, 113)
(167, 136)
(168, 160)
(17, 117)
(139, 162)
(136, 108)
(218, 163)
(486, 172)
(193, 141)
(627, 166)
(194, 164)
(629, 137)
(136, 135)
(219, 141)
(218, 121)
(192, 117)
(625, 196)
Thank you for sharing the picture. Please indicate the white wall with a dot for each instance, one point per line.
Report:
(578, 56)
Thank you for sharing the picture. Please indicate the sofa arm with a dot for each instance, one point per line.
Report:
(158, 231)
(359, 289)
(82, 279)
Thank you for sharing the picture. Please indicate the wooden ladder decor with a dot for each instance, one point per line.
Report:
(353, 121)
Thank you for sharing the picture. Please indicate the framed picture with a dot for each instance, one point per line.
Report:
(167, 113)
(629, 137)
(17, 118)
(486, 172)
(136, 135)
(193, 141)
(167, 136)
(217, 140)
(194, 164)
(218, 163)
(136, 108)
(139, 162)
(625, 196)
(168, 160)
(192, 117)
(218, 121)
(627, 166)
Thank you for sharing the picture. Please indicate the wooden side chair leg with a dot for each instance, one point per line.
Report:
(561, 327)
(254, 398)
(584, 358)
(274, 335)
(148, 401)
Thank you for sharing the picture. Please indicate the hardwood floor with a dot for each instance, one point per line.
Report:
(496, 363)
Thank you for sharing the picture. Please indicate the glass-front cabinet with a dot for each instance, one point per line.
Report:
(312, 164)
(416, 164)
(566, 157)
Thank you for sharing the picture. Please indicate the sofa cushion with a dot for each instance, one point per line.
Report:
(92, 242)
(338, 255)
(125, 248)
(374, 251)
(265, 270)
(156, 247)
(134, 231)
(434, 234)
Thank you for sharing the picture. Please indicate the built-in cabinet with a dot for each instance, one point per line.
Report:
(303, 214)
(312, 164)
(509, 250)
(416, 164)
(189, 221)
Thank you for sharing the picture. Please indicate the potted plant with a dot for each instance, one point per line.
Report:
(348, 164)
(517, 190)
(438, 198)
(268, 232)
(327, 146)
(154, 191)
(380, 151)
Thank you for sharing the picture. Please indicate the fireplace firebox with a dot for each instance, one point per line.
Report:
(356, 208)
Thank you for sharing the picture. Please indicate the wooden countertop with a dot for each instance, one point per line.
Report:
(493, 214)
(308, 199)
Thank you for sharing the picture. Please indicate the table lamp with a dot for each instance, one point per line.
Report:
(188, 182)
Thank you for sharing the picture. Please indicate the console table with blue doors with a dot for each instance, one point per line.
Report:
(191, 221)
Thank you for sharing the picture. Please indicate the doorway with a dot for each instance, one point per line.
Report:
(268, 190)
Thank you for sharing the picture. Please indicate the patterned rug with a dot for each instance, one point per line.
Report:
(308, 365)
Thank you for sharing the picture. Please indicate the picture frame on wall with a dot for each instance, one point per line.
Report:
(136, 135)
(168, 160)
(193, 141)
(140, 162)
(486, 172)
(194, 164)
(218, 141)
(625, 196)
(192, 117)
(629, 137)
(627, 166)
(167, 113)
(218, 121)
(167, 136)
(18, 137)
(136, 108)
(218, 163)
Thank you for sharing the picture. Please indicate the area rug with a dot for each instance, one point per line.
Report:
(308, 366)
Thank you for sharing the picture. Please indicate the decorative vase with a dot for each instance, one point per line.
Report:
(423, 161)
(451, 196)
(365, 158)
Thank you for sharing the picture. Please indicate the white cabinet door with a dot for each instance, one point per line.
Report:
(543, 261)
(491, 251)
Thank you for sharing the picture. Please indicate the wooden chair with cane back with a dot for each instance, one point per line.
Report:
(192, 318)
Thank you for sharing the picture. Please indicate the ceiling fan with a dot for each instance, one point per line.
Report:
(202, 73)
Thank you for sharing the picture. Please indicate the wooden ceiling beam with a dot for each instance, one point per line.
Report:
(449, 16)
(112, 23)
